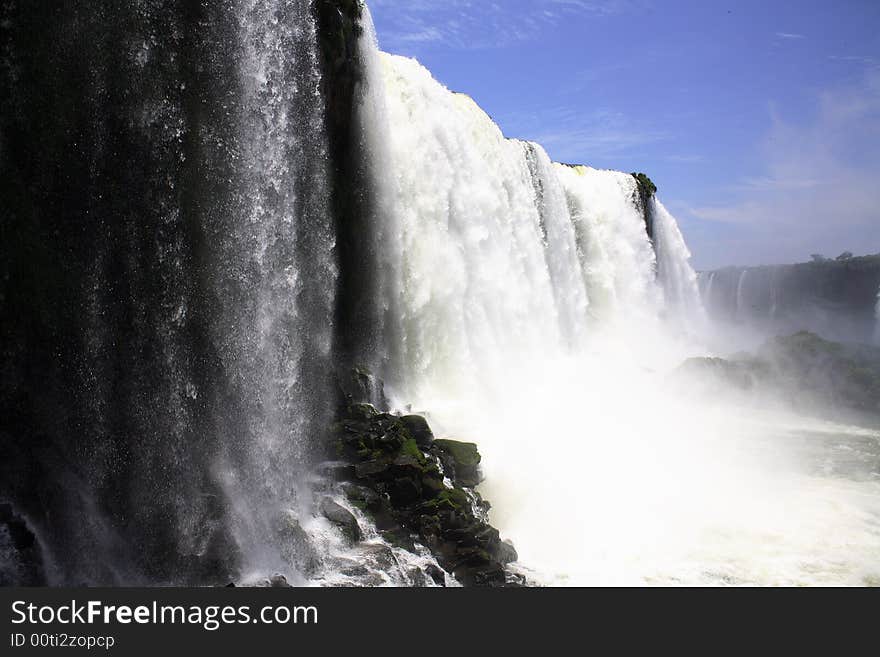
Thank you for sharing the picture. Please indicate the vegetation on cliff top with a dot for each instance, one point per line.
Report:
(647, 188)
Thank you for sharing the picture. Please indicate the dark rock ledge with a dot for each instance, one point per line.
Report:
(418, 489)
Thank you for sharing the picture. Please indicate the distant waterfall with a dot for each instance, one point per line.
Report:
(832, 298)
(710, 285)
(877, 316)
(741, 310)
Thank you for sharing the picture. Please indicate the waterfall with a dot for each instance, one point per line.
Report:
(503, 252)
(172, 294)
(832, 298)
(741, 296)
(877, 316)
(707, 298)
(532, 315)
(616, 256)
(538, 319)
(679, 281)
(474, 279)
(276, 275)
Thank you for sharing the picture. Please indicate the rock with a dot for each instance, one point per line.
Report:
(402, 467)
(418, 428)
(645, 190)
(371, 468)
(462, 462)
(362, 411)
(296, 546)
(361, 496)
(279, 582)
(406, 490)
(343, 518)
(436, 574)
(381, 556)
(22, 562)
(359, 386)
(507, 553)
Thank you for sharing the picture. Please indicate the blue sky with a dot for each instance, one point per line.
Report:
(759, 121)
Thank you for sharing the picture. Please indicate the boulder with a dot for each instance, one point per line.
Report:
(418, 428)
(461, 461)
(343, 518)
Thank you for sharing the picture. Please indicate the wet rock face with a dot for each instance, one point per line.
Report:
(343, 518)
(645, 191)
(21, 563)
(417, 489)
(461, 461)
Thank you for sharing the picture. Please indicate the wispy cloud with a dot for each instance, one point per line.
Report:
(684, 158)
(816, 186)
(571, 134)
(790, 35)
(861, 60)
(407, 25)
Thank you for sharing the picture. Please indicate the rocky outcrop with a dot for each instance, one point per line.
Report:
(810, 373)
(646, 190)
(418, 489)
(358, 317)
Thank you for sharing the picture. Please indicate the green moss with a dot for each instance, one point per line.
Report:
(411, 448)
(465, 454)
(452, 500)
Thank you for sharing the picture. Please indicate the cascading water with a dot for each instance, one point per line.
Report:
(741, 295)
(616, 256)
(677, 277)
(710, 285)
(187, 255)
(599, 467)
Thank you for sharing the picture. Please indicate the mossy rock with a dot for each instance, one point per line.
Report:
(396, 475)
(465, 454)
(418, 428)
(461, 460)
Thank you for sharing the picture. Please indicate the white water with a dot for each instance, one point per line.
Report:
(678, 279)
(533, 323)
(276, 331)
